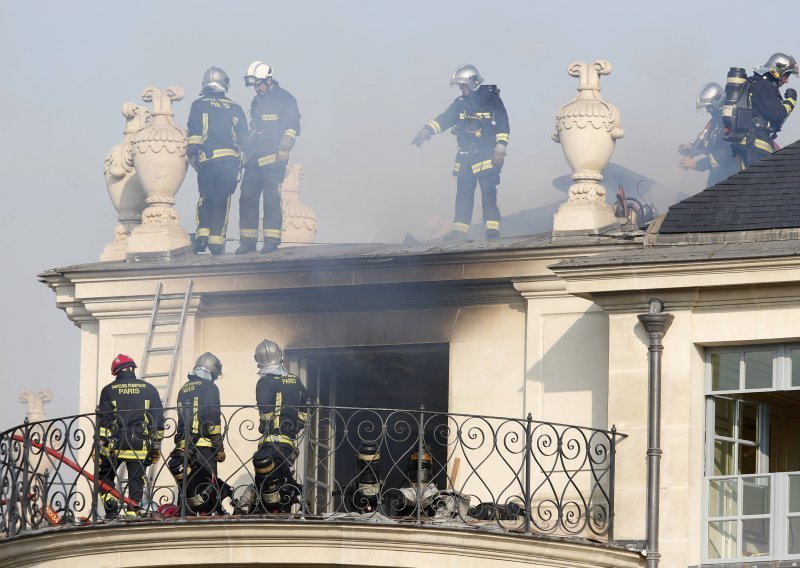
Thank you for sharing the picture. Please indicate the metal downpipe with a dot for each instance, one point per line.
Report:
(656, 323)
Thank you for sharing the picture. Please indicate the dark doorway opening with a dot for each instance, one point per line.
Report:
(401, 377)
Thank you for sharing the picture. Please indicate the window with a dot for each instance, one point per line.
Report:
(752, 505)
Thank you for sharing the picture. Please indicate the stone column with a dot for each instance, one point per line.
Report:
(587, 129)
(159, 157)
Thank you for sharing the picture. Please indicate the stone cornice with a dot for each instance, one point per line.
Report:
(209, 543)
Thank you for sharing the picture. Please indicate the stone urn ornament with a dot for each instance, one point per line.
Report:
(587, 129)
(299, 220)
(159, 157)
(123, 184)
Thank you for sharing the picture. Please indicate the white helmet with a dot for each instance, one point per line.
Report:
(466, 75)
(778, 65)
(710, 95)
(257, 71)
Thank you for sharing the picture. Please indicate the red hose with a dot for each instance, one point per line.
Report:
(65, 460)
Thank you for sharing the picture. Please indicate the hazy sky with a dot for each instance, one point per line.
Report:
(367, 75)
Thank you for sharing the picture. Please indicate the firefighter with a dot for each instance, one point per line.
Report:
(217, 129)
(281, 398)
(718, 158)
(274, 125)
(131, 425)
(481, 127)
(200, 420)
(770, 110)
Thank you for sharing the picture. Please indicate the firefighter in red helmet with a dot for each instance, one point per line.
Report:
(130, 428)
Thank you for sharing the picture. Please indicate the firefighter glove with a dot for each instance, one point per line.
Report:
(105, 447)
(422, 136)
(220, 457)
(499, 156)
(790, 94)
(684, 149)
(283, 155)
(286, 143)
(688, 163)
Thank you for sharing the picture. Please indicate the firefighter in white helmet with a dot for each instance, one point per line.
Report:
(274, 125)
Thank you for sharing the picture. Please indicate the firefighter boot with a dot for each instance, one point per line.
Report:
(216, 249)
(200, 244)
(270, 245)
(492, 234)
(244, 248)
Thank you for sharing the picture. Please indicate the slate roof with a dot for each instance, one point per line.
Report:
(765, 196)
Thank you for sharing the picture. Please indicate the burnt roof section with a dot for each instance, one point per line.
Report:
(765, 196)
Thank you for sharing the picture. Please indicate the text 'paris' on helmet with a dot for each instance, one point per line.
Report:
(466, 75)
(215, 79)
(257, 71)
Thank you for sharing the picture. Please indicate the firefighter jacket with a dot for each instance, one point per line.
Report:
(282, 413)
(481, 122)
(217, 128)
(770, 110)
(199, 414)
(272, 115)
(130, 416)
(719, 159)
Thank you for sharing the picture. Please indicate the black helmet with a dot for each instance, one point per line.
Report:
(207, 367)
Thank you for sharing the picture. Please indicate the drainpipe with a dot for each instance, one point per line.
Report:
(656, 322)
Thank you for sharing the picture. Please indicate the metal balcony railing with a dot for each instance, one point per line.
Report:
(415, 467)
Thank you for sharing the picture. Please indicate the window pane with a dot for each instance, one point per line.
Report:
(725, 371)
(749, 422)
(723, 458)
(793, 536)
(723, 417)
(795, 367)
(722, 497)
(755, 537)
(794, 494)
(722, 539)
(748, 460)
(758, 370)
(755, 496)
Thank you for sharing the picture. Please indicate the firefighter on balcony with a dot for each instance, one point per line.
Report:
(131, 425)
(281, 398)
(481, 126)
(200, 420)
(217, 129)
(718, 159)
(769, 109)
(274, 125)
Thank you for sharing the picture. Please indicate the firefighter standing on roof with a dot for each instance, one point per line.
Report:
(718, 158)
(274, 125)
(770, 110)
(131, 425)
(217, 129)
(481, 126)
(281, 399)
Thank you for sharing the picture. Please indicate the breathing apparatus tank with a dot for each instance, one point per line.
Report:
(737, 114)
(362, 496)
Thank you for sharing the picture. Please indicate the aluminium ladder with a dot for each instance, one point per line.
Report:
(174, 322)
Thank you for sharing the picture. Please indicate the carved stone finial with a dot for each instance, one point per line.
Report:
(159, 156)
(587, 129)
(35, 402)
(299, 220)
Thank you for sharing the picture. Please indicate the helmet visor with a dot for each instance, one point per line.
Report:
(250, 80)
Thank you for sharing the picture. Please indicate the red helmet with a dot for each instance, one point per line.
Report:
(121, 362)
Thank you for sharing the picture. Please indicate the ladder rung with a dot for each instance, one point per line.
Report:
(167, 322)
(151, 375)
(160, 349)
(174, 296)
